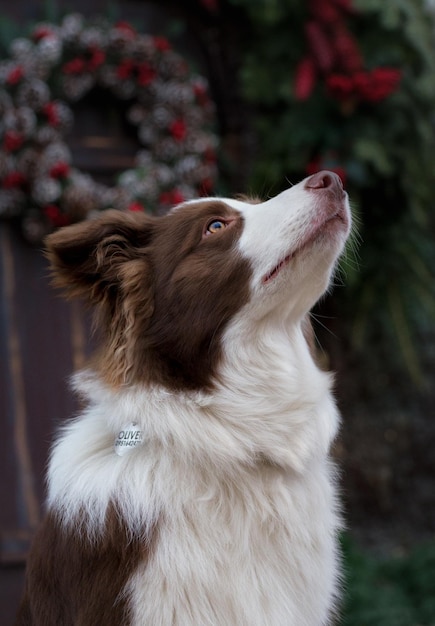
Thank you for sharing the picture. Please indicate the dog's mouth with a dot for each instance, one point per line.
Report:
(271, 275)
(339, 218)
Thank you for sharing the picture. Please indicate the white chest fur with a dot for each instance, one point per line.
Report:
(239, 483)
(259, 552)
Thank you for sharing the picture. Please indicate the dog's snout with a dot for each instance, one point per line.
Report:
(323, 180)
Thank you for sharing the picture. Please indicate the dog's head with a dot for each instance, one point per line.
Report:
(166, 288)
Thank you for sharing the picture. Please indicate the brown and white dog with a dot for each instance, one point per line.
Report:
(196, 489)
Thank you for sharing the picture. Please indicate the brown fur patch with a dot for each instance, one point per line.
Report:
(73, 580)
(163, 291)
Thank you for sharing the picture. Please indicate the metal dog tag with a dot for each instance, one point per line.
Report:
(128, 438)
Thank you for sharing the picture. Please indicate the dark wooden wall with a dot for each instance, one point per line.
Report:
(42, 340)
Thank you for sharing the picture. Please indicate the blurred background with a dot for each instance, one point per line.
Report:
(140, 104)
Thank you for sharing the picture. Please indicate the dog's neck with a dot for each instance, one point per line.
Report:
(267, 386)
(271, 410)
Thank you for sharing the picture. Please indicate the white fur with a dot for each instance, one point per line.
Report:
(239, 479)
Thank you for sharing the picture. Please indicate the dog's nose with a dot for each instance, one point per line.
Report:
(324, 180)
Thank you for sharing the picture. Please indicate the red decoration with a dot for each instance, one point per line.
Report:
(346, 5)
(126, 27)
(327, 12)
(41, 32)
(206, 187)
(385, 80)
(60, 170)
(210, 156)
(13, 180)
(145, 74)
(136, 206)
(340, 86)
(50, 110)
(161, 43)
(55, 215)
(305, 79)
(125, 69)
(178, 129)
(90, 62)
(171, 197)
(201, 94)
(371, 86)
(348, 53)
(333, 55)
(12, 141)
(76, 66)
(15, 75)
(97, 58)
(322, 49)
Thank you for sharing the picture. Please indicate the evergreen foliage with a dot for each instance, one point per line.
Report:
(312, 116)
(398, 591)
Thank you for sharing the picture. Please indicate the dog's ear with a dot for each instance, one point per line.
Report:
(88, 259)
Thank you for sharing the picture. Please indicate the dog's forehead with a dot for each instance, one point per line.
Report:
(202, 206)
(194, 214)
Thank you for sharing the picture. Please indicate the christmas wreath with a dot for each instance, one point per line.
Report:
(58, 65)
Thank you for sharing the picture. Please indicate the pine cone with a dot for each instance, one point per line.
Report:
(33, 94)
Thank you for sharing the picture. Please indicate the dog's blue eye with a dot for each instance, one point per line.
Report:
(215, 225)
